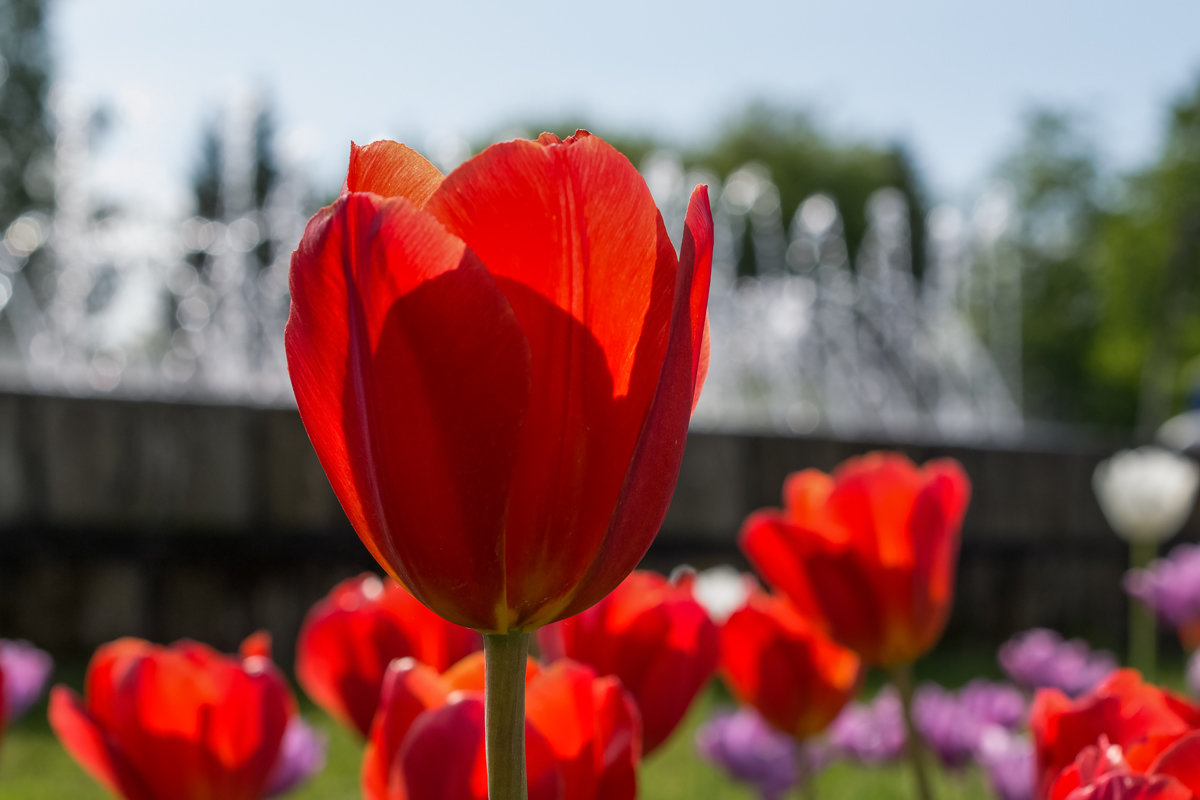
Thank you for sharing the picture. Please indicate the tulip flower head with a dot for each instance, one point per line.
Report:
(872, 549)
(164, 723)
(785, 667)
(427, 741)
(496, 368)
(654, 636)
(350, 636)
(1100, 772)
(1146, 494)
(1140, 720)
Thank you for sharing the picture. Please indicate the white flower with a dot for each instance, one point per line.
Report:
(1146, 494)
(722, 590)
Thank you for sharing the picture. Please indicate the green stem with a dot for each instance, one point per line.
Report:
(902, 677)
(1143, 628)
(504, 657)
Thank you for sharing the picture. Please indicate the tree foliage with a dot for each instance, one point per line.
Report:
(1111, 271)
(26, 139)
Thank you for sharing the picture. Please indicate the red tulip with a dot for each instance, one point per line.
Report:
(497, 368)
(1100, 772)
(427, 741)
(1140, 720)
(653, 635)
(349, 638)
(871, 548)
(185, 723)
(781, 663)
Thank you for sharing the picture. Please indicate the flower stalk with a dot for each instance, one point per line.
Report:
(902, 678)
(1143, 627)
(505, 655)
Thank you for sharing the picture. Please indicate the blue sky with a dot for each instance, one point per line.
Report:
(949, 77)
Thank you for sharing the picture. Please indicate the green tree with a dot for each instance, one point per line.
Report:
(1149, 272)
(1056, 180)
(26, 136)
(804, 160)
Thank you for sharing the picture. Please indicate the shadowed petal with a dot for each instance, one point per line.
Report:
(411, 376)
(650, 478)
(573, 237)
(90, 746)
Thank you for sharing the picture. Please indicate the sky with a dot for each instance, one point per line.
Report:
(950, 78)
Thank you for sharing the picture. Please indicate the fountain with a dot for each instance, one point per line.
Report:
(807, 341)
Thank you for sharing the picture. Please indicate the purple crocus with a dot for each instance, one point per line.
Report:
(994, 703)
(944, 726)
(750, 750)
(870, 733)
(1040, 658)
(301, 755)
(1170, 586)
(953, 723)
(26, 669)
(1007, 760)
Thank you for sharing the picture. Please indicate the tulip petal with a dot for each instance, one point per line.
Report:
(871, 499)
(785, 667)
(573, 236)
(780, 550)
(654, 467)
(391, 169)
(934, 530)
(245, 730)
(88, 744)
(443, 753)
(417, 440)
(409, 689)
(350, 636)
(443, 757)
(1182, 762)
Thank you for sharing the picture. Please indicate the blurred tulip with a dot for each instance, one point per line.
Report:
(164, 723)
(872, 547)
(497, 368)
(1141, 720)
(1041, 659)
(427, 742)
(1146, 494)
(782, 664)
(1100, 772)
(350, 636)
(653, 635)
